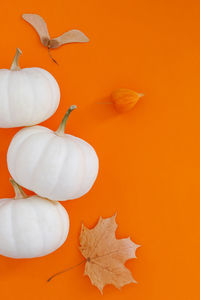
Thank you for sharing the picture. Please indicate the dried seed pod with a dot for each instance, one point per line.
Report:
(125, 99)
(38, 23)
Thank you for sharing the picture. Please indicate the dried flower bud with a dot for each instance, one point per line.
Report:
(125, 99)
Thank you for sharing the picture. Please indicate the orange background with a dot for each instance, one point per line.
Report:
(149, 157)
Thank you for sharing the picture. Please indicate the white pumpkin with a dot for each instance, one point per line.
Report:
(54, 165)
(27, 96)
(31, 226)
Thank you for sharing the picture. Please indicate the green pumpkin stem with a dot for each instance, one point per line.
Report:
(15, 64)
(61, 128)
(19, 193)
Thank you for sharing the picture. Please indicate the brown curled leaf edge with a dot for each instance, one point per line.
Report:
(71, 36)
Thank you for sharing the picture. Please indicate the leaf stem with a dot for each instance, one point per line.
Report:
(15, 64)
(61, 128)
(65, 270)
(19, 193)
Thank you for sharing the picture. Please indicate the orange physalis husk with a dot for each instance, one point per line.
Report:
(125, 99)
(71, 36)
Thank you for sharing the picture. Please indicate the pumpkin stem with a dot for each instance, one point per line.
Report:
(61, 128)
(19, 193)
(15, 64)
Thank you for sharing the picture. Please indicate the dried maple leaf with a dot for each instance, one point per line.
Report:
(71, 36)
(105, 255)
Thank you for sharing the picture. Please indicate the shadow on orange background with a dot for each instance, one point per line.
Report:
(149, 157)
